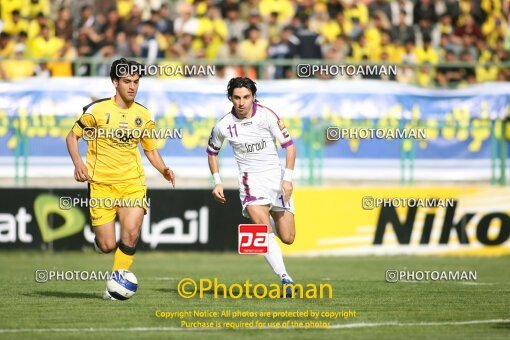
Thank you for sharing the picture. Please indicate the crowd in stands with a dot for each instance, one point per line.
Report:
(435, 42)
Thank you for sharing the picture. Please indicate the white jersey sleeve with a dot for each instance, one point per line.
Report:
(215, 141)
(278, 129)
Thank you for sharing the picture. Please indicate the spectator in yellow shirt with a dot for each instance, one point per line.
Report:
(6, 45)
(8, 6)
(64, 68)
(356, 12)
(18, 67)
(332, 28)
(34, 28)
(360, 50)
(254, 48)
(124, 7)
(211, 46)
(485, 73)
(426, 53)
(34, 7)
(213, 26)
(16, 24)
(425, 75)
(284, 8)
(388, 48)
(46, 46)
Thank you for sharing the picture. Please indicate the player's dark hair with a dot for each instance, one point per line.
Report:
(239, 82)
(121, 65)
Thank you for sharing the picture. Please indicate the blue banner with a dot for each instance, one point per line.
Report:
(458, 123)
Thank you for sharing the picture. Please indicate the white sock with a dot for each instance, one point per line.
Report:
(275, 259)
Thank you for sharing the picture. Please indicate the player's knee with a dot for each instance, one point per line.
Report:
(107, 247)
(287, 238)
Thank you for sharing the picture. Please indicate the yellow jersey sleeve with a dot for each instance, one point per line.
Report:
(86, 120)
(148, 142)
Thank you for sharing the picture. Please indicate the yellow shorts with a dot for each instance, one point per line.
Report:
(104, 199)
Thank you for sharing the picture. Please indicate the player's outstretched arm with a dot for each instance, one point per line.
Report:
(290, 160)
(214, 166)
(155, 158)
(80, 169)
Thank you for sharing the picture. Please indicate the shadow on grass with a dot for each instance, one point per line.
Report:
(234, 292)
(502, 325)
(165, 290)
(65, 295)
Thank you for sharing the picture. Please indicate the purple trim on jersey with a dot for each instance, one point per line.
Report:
(212, 153)
(234, 113)
(254, 109)
(248, 198)
(287, 144)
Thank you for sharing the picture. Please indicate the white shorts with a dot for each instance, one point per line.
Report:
(263, 188)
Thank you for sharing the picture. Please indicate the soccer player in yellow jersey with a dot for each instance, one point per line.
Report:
(114, 169)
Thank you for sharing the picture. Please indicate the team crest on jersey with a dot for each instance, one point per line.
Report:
(138, 121)
(283, 129)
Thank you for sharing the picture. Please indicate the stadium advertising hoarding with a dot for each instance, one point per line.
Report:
(418, 220)
(176, 220)
(341, 221)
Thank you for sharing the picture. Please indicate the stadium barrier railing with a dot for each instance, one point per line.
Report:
(99, 66)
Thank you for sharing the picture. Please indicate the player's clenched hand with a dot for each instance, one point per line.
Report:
(169, 175)
(80, 173)
(287, 190)
(218, 193)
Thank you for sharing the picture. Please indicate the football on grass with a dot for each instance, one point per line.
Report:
(122, 284)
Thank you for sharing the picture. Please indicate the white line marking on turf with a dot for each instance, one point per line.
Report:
(412, 324)
(334, 326)
(458, 282)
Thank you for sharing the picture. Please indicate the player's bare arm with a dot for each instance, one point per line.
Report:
(214, 166)
(80, 169)
(290, 160)
(157, 162)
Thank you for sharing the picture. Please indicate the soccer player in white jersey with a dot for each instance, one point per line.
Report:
(265, 189)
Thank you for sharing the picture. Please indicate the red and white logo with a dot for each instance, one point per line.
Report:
(253, 238)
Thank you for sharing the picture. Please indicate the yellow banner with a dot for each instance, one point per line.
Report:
(377, 221)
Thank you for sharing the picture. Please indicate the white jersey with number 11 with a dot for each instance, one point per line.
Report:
(253, 139)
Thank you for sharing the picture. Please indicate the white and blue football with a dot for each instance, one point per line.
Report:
(122, 284)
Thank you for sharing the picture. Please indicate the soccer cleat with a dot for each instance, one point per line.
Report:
(288, 289)
(107, 296)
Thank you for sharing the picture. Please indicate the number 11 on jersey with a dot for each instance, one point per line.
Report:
(234, 128)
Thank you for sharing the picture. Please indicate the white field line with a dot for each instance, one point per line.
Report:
(179, 329)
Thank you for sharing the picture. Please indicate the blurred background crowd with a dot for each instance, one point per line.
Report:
(440, 43)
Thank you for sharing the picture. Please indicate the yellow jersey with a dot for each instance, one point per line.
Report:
(113, 156)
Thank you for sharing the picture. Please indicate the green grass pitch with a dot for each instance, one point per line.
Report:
(75, 310)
